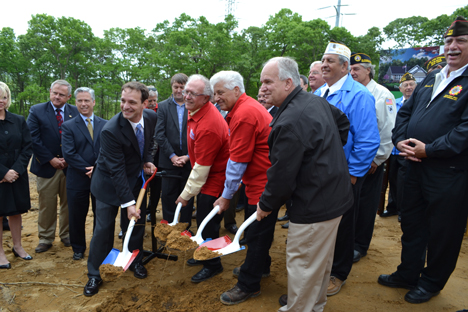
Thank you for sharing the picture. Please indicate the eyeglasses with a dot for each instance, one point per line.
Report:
(191, 94)
(315, 73)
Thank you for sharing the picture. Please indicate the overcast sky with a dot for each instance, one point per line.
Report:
(103, 15)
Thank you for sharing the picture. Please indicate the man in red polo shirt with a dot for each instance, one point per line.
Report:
(208, 148)
(248, 161)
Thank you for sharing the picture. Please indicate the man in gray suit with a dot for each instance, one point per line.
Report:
(171, 136)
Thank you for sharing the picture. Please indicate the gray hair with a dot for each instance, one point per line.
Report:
(315, 63)
(152, 91)
(372, 69)
(230, 78)
(287, 68)
(85, 89)
(344, 59)
(62, 82)
(207, 89)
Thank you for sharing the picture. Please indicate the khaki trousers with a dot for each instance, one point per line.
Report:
(48, 189)
(309, 258)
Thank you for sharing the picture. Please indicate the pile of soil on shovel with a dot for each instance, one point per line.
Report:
(110, 272)
(203, 253)
(162, 230)
(180, 242)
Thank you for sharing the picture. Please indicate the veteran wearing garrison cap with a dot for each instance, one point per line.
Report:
(352, 98)
(437, 62)
(431, 131)
(363, 72)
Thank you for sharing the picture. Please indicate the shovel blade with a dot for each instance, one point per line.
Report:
(217, 243)
(122, 259)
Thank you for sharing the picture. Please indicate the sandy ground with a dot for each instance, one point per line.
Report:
(53, 281)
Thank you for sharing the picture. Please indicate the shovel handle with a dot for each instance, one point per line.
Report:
(206, 220)
(244, 225)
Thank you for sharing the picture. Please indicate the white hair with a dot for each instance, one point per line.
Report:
(287, 68)
(315, 63)
(207, 89)
(230, 78)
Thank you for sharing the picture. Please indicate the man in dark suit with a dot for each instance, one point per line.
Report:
(126, 146)
(171, 136)
(80, 147)
(45, 123)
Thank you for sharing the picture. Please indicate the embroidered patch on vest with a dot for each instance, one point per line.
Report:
(456, 90)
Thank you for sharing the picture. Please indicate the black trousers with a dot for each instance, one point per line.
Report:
(433, 215)
(78, 206)
(396, 179)
(103, 238)
(344, 246)
(368, 206)
(257, 260)
(230, 213)
(211, 230)
(170, 191)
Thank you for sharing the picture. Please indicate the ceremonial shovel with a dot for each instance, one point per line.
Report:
(125, 258)
(198, 238)
(223, 244)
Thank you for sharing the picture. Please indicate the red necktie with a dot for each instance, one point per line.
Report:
(59, 120)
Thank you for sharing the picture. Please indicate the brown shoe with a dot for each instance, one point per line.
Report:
(335, 286)
(66, 242)
(42, 247)
(235, 295)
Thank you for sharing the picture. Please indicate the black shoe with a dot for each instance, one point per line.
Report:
(120, 234)
(419, 295)
(193, 262)
(232, 228)
(357, 256)
(42, 247)
(78, 255)
(28, 257)
(283, 300)
(139, 271)
(243, 242)
(205, 274)
(148, 218)
(92, 287)
(285, 226)
(387, 213)
(235, 295)
(393, 281)
(239, 208)
(5, 266)
(284, 218)
(236, 272)
(66, 242)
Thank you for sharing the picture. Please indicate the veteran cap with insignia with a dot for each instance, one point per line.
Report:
(339, 48)
(459, 27)
(359, 58)
(406, 77)
(436, 60)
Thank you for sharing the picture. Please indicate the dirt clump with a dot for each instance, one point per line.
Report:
(203, 253)
(110, 272)
(177, 241)
(162, 230)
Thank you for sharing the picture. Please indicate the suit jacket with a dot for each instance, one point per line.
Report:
(119, 164)
(168, 134)
(273, 111)
(45, 136)
(80, 151)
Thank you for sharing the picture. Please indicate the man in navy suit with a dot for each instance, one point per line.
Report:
(126, 149)
(45, 123)
(171, 136)
(80, 147)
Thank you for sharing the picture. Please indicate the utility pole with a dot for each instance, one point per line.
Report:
(230, 7)
(338, 12)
